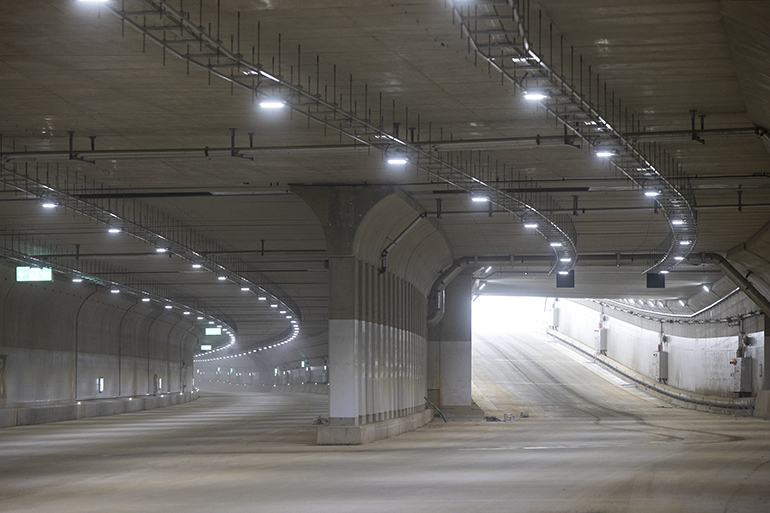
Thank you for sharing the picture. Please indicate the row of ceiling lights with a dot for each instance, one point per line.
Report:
(79, 278)
(294, 335)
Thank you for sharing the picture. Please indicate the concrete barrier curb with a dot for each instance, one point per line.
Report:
(368, 433)
(10, 417)
(740, 406)
(309, 388)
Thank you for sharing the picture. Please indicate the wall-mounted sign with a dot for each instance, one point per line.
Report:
(34, 274)
(205, 347)
(213, 331)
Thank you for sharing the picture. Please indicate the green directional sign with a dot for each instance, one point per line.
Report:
(34, 274)
(213, 331)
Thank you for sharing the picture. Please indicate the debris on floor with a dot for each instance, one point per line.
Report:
(524, 415)
(320, 421)
(492, 419)
(508, 417)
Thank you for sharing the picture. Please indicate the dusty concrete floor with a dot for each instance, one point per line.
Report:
(591, 444)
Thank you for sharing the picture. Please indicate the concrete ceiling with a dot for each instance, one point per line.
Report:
(163, 141)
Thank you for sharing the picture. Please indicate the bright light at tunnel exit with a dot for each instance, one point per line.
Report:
(506, 313)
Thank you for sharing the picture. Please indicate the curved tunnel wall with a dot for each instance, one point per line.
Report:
(58, 338)
(703, 355)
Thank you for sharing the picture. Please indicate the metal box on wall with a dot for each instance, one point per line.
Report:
(660, 365)
(601, 340)
(741, 375)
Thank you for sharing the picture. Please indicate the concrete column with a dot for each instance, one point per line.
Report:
(449, 347)
(766, 359)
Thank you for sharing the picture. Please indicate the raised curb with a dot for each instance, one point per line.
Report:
(743, 406)
(29, 415)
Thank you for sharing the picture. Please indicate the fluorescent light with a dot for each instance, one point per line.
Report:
(262, 298)
(530, 225)
(664, 272)
(282, 312)
(534, 95)
(49, 204)
(221, 278)
(77, 280)
(555, 244)
(397, 161)
(651, 193)
(563, 273)
(605, 153)
(706, 288)
(145, 300)
(288, 316)
(244, 289)
(161, 250)
(678, 258)
(481, 287)
(565, 259)
(197, 266)
(272, 104)
(681, 302)
(200, 318)
(168, 307)
(114, 230)
(273, 306)
(187, 313)
(677, 222)
(479, 198)
(115, 291)
(685, 242)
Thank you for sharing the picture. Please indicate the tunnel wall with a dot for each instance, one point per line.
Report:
(699, 352)
(58, 338)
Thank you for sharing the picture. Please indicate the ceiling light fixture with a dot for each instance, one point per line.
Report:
(114, 230)
(530, 225)
(534, 95)
(77, 280)
(652, 193)
(605, 153)
(145, 300)
(272, 103)
(49, 204)
(677, 222)
(397, 160)
(196, 266)
(221, 278)
(555, 244)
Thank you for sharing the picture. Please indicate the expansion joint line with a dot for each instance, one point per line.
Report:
(177, 34)
(505, 23)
